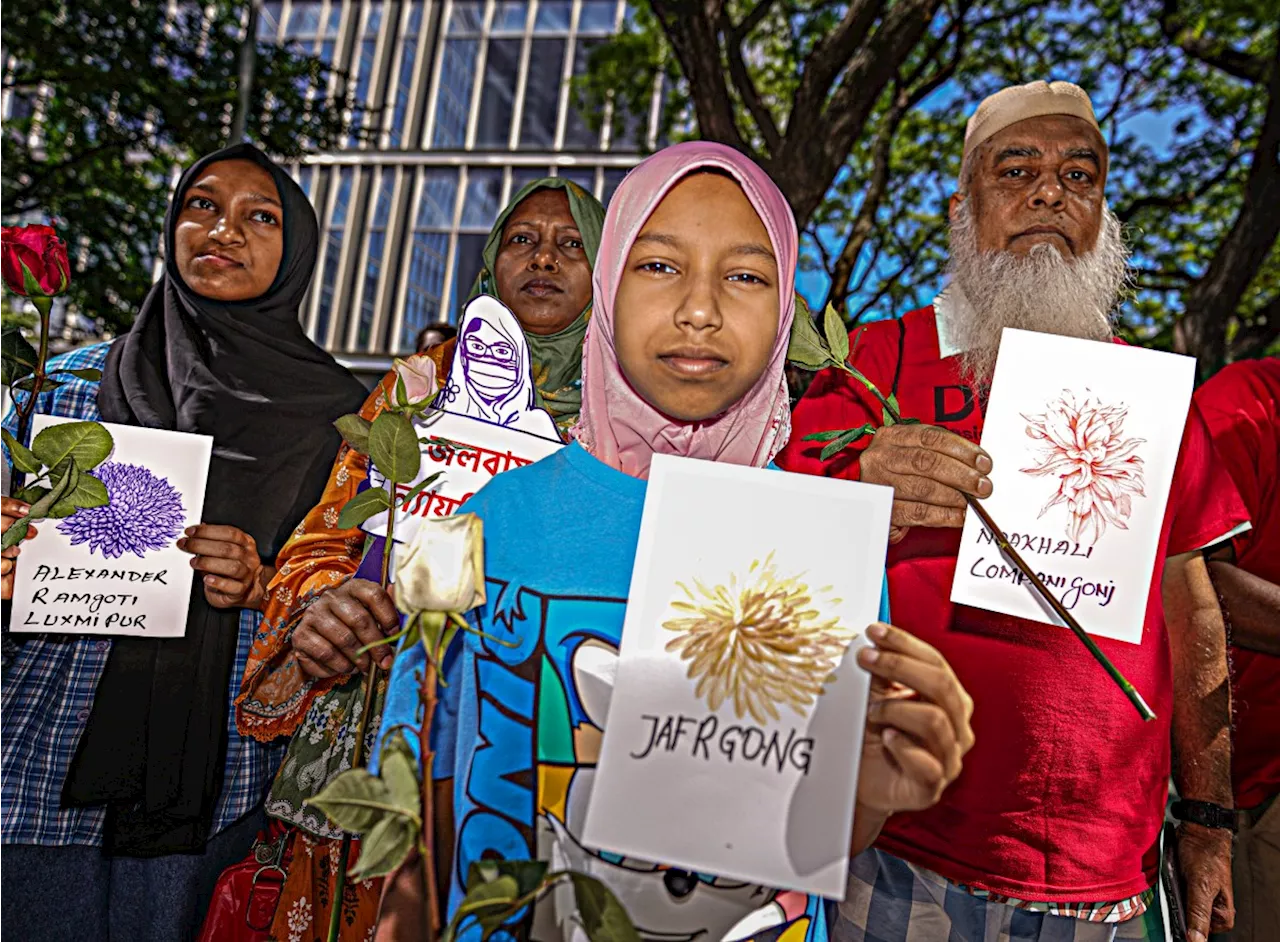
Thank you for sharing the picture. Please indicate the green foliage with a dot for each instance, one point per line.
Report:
(61, 457)
(498, 890)
(1172, 85)
(393, 448)
(87, 444)
(354, 430)
(17, 357)
(363, 506)
(110, 95)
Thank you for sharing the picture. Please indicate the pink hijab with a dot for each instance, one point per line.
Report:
(618, 426)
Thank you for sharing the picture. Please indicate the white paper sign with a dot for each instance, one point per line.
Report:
(490, 421)
(736, 723)
(116, 570)
(1084, 439)
(479, 450)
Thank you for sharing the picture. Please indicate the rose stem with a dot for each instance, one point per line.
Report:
(366, 714)
(25, 410)
(427, 692)
(1134, 697)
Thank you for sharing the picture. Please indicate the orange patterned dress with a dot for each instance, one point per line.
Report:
(278, 699)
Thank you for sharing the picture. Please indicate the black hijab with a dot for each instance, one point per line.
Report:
(246, 374)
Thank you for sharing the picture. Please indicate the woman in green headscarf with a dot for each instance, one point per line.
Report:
(537, 261)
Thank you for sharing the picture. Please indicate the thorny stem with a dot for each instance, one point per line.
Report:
(1050, 599)
(26, 409)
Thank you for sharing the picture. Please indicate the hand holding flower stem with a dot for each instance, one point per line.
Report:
(810, 350)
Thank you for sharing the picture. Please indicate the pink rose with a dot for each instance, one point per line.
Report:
(417, 375)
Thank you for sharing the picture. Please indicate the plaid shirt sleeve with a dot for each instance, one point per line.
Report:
(49, 683)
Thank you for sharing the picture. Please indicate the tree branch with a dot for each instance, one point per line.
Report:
(1215, 52)
(831, 54)
(692, 29)
(734, 37)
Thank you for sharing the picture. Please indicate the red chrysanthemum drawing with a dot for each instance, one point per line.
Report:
(1098, 469)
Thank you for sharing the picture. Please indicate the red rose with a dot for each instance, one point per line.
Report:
(44, 256)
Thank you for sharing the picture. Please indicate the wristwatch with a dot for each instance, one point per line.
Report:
(1205, 813)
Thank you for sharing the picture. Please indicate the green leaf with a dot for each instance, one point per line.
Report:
(355, 801)
(20, 455)
(489, 903)
(88, 443)
(837, 335)
(891, 413)
(402, 394)
(398, 767)
(354, 430)
(393, 448)
(824, 436)
(13, 536)
(17, 356)
(88, 492)
(32, 493)
(363, 506)
(420, 487)
(65, 484)
(806, 348)
(91, 375)
(30, 286)
(603, 917)
(384, 848)
(528, 874)
(845, 440)
(29, 383)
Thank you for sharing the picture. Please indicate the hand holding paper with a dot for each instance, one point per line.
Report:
(930, 470)
(234, 574)
(917, 728)
(13, 510)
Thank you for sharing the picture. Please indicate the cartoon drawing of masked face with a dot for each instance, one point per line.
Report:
(492, 375)
(666, 904)
(489, 358)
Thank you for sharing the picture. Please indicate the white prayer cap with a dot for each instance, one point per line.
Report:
(1019, 102)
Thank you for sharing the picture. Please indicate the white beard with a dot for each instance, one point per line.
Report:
(1044, 291)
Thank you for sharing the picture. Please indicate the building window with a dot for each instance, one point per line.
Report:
(453, 100)
(611, 180)
(542, 94)
(577, 131)
(553, 16)
(466, 266)
(598, 17)
(497, 101)
(585, 177)
(438, 193)
(373, 263)
(368, 58)
(333, 253)
(404, 81)
(509, 16)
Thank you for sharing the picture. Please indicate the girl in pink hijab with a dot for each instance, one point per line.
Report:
(684, 356)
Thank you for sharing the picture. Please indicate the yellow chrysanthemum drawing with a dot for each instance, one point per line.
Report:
(762, 641)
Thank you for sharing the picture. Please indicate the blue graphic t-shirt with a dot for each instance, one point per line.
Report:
(521, 718)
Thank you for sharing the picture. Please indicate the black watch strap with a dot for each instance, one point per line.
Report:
(1205, 813)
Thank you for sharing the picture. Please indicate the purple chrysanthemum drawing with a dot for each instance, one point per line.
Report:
(145, 513)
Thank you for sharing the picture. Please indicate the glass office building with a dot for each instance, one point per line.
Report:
(468, 100)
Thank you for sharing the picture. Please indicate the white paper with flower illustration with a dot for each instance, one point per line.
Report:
(117, 570)
(490, 422)
(1084, 439)
(735, 726)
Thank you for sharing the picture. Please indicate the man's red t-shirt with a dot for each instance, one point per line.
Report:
(1241, 406)
(1063, 794)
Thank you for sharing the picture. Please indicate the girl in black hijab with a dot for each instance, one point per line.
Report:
(217, 349)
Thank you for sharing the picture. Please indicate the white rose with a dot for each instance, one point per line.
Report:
(442, 568)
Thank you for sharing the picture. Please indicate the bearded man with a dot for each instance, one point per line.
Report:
(1052, 829)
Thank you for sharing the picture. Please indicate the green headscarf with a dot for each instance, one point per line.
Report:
(557, 358)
